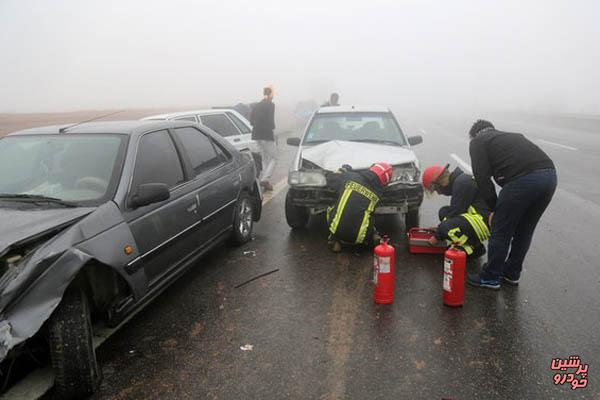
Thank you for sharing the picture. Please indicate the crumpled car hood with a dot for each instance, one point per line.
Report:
(17, 225)
(332, 155)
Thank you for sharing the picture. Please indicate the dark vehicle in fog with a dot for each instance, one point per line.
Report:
(97, 219)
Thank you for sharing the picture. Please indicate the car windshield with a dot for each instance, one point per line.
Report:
(72, 168)
(360, 127)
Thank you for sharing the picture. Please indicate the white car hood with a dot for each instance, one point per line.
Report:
(332, 155)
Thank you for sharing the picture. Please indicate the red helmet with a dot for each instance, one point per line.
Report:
(383, 171)
(431, 174)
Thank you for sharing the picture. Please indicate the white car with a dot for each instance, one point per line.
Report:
(228, 123)
(358, 137)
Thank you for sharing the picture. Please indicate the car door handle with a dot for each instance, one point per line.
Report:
(237, 140)
(193, 208)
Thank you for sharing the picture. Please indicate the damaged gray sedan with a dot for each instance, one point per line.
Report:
(97, 219)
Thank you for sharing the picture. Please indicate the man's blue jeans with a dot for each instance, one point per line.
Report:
(520, 205)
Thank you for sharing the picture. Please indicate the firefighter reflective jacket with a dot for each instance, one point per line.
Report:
(464, 221)
(350, 218)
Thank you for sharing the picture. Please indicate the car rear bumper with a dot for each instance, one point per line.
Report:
(396, 199)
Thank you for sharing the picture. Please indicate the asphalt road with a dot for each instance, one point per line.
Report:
(316, 333)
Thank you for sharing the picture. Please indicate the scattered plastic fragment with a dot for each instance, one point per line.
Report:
(250, 253)
(247, 347)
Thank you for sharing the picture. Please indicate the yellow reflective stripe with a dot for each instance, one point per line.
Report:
(460, 240)
(477, 225)
(357, 187)
(362, 232)
(468, 249)
(338, 214)
(477, 222)
(473, 224)
(482, 226)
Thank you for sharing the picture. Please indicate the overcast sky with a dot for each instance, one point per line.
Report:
(64, 55)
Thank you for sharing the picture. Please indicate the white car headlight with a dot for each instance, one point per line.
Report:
(304, 178)
(406, 173)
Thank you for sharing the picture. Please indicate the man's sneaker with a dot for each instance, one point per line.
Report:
(513, 282)
(476, 280)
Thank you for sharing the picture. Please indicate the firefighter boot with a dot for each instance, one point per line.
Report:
(335, 246)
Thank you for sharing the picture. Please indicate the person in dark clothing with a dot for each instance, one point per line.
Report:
(528, 180)
(358, 194)
(464, 221)
(334, 100)
(263, 126)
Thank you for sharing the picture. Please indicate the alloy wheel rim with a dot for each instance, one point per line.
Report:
(245, 216)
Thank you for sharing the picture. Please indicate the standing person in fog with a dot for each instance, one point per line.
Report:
(528, 180)
(263, 125)
(334, 100)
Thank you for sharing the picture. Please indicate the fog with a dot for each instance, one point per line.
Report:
(429, 56)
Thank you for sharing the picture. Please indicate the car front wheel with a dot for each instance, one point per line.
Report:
(76, 369)
(296, 216)
(243, 222)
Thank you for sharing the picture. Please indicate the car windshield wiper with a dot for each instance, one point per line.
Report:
(35, 198)
(390, 142)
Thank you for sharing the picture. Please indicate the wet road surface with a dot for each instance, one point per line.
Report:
(316, 333)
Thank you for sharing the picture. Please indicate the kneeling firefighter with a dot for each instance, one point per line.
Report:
(464, 221)
(358, 194)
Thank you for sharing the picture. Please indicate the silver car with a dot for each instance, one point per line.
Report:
(226, 122)
(358, 137)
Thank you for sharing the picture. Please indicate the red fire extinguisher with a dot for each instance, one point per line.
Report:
(454, 277)
(383, 272)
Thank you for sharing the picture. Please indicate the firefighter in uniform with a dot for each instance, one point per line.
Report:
(358, 194)
(464, 221)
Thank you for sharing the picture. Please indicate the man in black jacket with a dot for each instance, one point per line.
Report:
(263, 125)
(464, 221)
(528, 180)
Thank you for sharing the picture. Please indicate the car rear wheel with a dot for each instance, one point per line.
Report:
(243, 222)
(411, 218)
(296, 216)
(76, 369)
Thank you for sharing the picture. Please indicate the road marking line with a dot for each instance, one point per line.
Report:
(564, 146)
(462, 163)
(279, 186)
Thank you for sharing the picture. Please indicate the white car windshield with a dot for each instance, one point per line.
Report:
(359, 127)
(69, 167)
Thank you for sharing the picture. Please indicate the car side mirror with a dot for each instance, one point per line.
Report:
(149, 193)
(293, 141)
(415, 140)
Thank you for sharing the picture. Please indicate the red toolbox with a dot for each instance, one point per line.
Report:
(418, 242)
